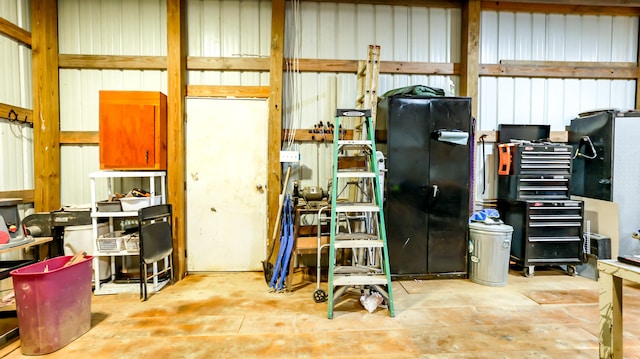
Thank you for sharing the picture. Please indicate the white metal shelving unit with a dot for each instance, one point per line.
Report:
(110, 176)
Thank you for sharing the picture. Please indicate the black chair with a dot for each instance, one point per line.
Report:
(156, 244)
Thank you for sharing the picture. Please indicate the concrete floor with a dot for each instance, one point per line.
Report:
(234, 315)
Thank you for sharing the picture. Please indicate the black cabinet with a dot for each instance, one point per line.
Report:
(606, 166)
(428, 145)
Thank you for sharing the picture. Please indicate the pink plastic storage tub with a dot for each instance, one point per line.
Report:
(53, 307)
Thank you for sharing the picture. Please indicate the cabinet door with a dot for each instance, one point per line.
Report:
(132, 130)
(449, 186)
(407, 184)
(130, 133)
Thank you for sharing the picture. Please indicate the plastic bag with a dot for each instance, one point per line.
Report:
(371, 302)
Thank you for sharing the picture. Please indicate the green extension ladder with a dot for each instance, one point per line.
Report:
(357, 229)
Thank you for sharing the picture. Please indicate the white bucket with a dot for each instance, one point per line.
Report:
(80, 239)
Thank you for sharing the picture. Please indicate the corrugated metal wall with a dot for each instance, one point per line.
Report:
(228, 29)
(345, 31)
(16, 140)
(554, 102)
(325, 31)
(102, 27)
(511, 36)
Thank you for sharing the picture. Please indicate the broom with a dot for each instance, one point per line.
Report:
(267, 264)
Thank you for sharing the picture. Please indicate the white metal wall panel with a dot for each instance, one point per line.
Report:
(540, 37)
(520, 36)
(218, 28)
(102, 27)
(16, 140)
(112, 27)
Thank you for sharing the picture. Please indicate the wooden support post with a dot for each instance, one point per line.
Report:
(176, 146)
(275, 112)
(46, 105)
(469, 77)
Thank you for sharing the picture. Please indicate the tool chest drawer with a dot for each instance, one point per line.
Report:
(535, 158)
(529, 187)
(544, 232)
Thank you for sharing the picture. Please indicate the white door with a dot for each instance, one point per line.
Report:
(226, 180)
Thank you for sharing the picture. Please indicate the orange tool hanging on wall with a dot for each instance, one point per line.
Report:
(506, 158)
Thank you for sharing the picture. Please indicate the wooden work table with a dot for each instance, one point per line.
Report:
(611, 275)
(37, 241)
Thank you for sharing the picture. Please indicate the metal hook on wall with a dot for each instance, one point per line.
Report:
(13, 117)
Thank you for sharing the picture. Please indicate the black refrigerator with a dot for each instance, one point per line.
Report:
(428, 146)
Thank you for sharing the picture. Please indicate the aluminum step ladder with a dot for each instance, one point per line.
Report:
(362, 247)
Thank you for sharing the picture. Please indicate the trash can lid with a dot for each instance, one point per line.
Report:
(481, 226)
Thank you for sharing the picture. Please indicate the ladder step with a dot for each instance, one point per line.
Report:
(353, 113)
(343, 143)
(355, 236)
(357, 207)
(341, 280)
(356, 174)
(359, 243)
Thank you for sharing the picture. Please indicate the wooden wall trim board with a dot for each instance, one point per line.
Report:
(79, 137)
(420, 3)
(228, 91)
(492, 136)
(115, 62)
(25, 194)
(24, 114)
(46, 100)
(584, 7)
(274, 172)
(248, 64)
(228, 63)
(92, 138)
(15, 32)
(568, 70)
(506, 68)
(308, 135)
(176, 140)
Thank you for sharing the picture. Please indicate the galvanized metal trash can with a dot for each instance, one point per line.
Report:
(489, 252)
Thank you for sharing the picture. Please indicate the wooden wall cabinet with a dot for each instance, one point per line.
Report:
(133, 130)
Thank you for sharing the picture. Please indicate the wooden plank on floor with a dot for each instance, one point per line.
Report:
(5, 350)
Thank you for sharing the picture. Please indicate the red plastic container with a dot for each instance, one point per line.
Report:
(53, 307)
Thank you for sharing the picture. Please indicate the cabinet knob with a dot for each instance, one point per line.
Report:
(260, 188)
